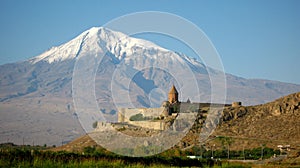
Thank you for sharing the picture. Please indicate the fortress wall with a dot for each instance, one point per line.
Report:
(121, 115)
(101, 126)
(236, 104)
(156, 125)
(191, 106)
(155, 112)
(125, 113)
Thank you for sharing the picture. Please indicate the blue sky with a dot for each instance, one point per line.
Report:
(255, 39)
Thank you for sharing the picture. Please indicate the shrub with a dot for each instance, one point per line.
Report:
(89, 150)
(137, 117)
(95, 124)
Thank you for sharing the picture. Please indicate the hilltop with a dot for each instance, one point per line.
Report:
(271, 124)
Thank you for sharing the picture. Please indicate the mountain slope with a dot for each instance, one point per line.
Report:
(36, 95)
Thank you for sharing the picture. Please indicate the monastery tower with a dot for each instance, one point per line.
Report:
(173, 95)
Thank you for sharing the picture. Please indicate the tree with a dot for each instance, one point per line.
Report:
(95, 124)
(226, 141)
(229, 141)
(262, 150)
(89, 149)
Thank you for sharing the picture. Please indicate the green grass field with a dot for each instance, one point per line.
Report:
(37, 156)
(49, 159)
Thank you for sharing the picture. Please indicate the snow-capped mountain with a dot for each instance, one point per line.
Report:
(36, 96)
(117, 43)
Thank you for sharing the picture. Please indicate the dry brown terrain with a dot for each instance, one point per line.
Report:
(272, 124)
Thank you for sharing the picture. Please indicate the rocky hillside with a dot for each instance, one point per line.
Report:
(271, 124)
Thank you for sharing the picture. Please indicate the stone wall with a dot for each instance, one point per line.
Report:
(236, 104)
(124, 114)
(156, 125)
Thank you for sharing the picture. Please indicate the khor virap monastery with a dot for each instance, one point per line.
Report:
(161, 118)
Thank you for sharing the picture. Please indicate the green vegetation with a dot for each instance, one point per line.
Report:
(99, 157)
(248, 154)
(27, 158)
(95, 124)
(139, 117)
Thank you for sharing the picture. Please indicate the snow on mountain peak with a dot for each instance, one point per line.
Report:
(117, 43)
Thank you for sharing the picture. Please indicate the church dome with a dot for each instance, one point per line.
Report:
(173, 90)
(173, 95)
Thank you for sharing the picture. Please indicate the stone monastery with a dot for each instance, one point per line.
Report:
(161, 118)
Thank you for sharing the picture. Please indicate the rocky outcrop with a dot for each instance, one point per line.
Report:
(286, 105)
(231, 113)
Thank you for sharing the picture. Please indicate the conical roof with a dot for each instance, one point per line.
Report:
(173, 90)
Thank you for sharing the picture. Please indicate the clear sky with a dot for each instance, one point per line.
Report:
(255, 38)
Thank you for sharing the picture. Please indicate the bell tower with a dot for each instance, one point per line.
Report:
(173, 95)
